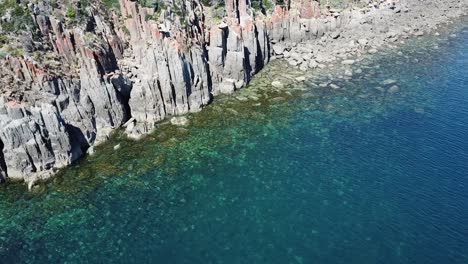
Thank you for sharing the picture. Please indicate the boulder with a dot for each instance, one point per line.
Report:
(363, 42)
(279, 49)
(227, 86)
(393, 89)
(347, 62)
(277, 99)
(293, 62)
(91, 151)
(313, 64)
(180, 121)
(277, 84)
(388, 82)
(297, 56)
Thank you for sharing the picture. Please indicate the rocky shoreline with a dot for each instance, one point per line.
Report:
(144, 72)
(369, 33)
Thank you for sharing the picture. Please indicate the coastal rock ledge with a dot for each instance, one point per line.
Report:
(72, 74)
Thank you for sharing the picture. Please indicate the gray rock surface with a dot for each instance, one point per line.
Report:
(35, 140)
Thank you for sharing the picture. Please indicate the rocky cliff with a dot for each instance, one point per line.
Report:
(72, 74)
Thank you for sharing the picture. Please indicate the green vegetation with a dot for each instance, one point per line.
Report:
(111, 4)
(160, 5)
(206, 2)
(53, 3)
(3, 40)
(281, 3)
(15, 51)
(217, 19)
(218, 12)
(181, 12)
(267, 4)
(83, 3)
(70, 13)
(20, 19)
(126, 31)
(150, 17)
(256, 4)
(76, 11)
(155, 4)
(262, 5)
(148, 3)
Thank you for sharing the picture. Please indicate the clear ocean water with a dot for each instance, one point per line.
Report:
(316, 175)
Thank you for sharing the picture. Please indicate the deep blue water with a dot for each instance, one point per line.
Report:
(349, 176)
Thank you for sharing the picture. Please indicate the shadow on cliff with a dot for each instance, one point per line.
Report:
(77, 139)
(3, 167)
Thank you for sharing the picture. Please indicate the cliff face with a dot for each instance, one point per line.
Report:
(70, 90)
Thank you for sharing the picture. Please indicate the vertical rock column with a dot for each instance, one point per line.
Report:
(168, 69)
(238, 48)
(34, 141)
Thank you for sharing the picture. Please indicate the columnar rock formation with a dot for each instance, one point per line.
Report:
(127, 68)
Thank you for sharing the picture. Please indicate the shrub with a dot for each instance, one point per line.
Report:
(16, 52)
(3, 39)
(20, 17)
(111, 4)
(267, 4)
(70, 13)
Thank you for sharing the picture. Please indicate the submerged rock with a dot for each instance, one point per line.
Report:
(293, 63)
(242, 98)
(277, 99)
(232, 111)
(279, 49)
(313, 64)
(380, 89)
(277, 84)
(419, 110)
(388, 82)
(393, 89)
(180, 121)
(300, 79)
(91, 151)
(307, 95)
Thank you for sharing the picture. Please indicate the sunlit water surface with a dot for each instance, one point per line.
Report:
(349, 175)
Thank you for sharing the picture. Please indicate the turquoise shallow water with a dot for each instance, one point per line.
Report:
(353, 175)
